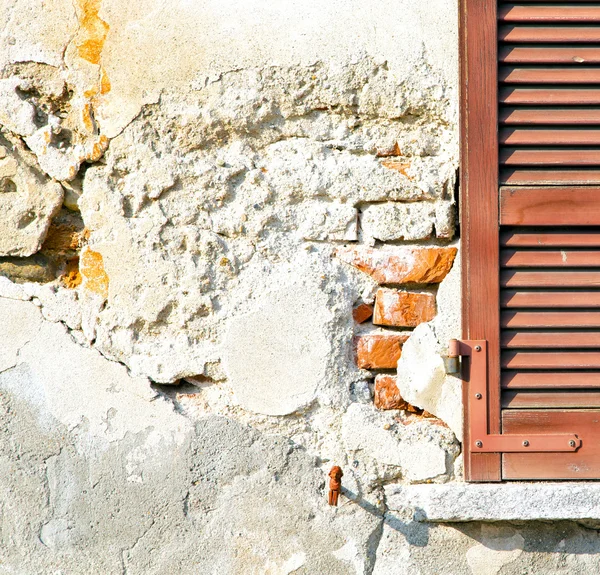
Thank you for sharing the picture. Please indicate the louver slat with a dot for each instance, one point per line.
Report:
(549, 339)
(549, 55)
(562, 75)
(549, 157)
(551, 360)
(558, 14)
(550, 319)
(549, 34)
(550, 379)
(550, 96)
(536, 299)
(550, 116)
(524, 238)
(547, 177)
(544, 259)
(549, 137)
(553, 279)
(550, 399)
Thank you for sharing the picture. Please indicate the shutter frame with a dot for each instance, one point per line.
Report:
(530, 227)
(480, 228)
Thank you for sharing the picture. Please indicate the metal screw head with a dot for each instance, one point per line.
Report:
(572, 443)
(479, 443)
(477, 348)
(478, 396)
(526, 443)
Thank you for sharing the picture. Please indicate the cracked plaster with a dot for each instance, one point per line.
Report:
(212, 181)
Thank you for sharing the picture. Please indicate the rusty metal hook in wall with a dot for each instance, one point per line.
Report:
(335, 484)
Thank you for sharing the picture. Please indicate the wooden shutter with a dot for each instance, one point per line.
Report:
(530, 221)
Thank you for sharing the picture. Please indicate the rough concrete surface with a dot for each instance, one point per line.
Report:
(486, 549)
(28, 200)
(101, 474)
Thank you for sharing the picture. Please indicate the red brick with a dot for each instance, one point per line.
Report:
(401, 265)
(402, 308)
(362, 312)
(378, 351)
(387, 395)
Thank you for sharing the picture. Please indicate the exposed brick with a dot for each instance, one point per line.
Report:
(378, 351)
(403, 309)
(362, 312)
(387, 396)
(62, 237)
(401, 265)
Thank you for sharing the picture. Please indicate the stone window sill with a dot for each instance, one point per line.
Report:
(463, 502)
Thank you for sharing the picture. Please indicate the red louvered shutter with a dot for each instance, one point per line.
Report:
(530, 221)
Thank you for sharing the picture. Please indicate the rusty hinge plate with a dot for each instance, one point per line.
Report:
(481, 440)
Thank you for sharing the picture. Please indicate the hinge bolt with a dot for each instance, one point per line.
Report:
(479, 443)
(478, 396)
(526, 443)
(572, 443)
(477, 348)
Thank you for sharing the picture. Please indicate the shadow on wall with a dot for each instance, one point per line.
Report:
(481, 548)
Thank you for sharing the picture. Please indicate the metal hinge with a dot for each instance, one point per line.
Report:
(478, 415)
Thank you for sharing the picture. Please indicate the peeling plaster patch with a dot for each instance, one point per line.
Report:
(350, 552)
(497, 550)
(17, 329)
(447, 323)
(16, 114)
(34, 31)
(56, 304)
(390, 446)
(294, 563)
(202, 198)
(56, 383)
(276, 355)
(11, 290)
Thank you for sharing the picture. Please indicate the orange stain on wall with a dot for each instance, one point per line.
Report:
(93, 31)
(91, 267)
(401, 167)
(104, 82)
(72, 276)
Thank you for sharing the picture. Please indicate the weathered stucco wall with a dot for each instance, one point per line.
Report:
(223, 226)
